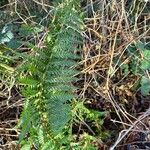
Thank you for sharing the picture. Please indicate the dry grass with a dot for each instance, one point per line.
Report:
(109, 32)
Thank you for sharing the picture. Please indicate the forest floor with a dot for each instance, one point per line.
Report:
(116, 34)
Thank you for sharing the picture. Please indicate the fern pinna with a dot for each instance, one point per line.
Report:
(48, 75)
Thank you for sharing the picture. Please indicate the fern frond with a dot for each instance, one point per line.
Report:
(48, 75)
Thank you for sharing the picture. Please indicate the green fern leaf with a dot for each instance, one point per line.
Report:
(47, 75)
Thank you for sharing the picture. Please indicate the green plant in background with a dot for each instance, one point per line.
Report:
(5, 60)
(145, 85)
(140, 64)
(83, 114)
(7, 36)
(9, 58)
(7, 70)
(145, 66)
(86, 141)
